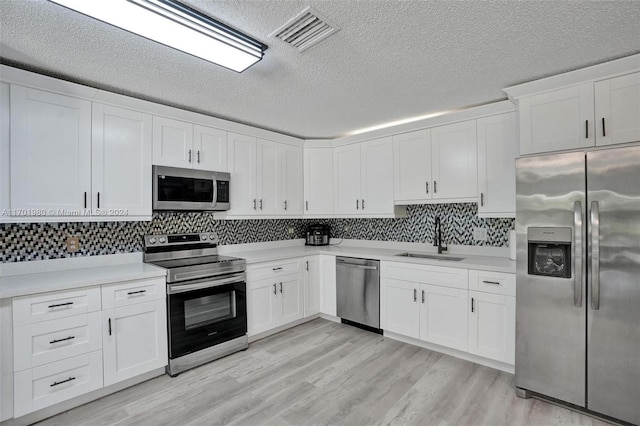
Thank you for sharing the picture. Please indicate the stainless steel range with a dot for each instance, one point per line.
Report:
(206, 298)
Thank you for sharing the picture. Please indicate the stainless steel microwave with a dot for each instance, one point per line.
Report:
(176, 188)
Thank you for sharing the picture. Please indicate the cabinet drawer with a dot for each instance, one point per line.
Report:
(45, 342)
(273, 269)
(492, 282)
(49, 384)
(426, 274)
(133, 292)
(55, 305)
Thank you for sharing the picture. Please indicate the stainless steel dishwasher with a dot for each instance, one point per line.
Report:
(358, 292)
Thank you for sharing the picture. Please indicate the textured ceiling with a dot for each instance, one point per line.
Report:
(390, 60)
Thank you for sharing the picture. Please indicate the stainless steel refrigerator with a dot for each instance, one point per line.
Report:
(578, 279)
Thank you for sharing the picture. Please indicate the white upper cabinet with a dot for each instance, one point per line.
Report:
(618, 110)
(346, 183)
(180, 144)
(412, 166)
(497, 151)
(172, 142)
(210, 147)
(266, 177)
(363, 174)
(557, 120)
(318, 181)
(242, 166)
(454, 161)
(50, 150)
(121, 161)
(377, 176)
(291, 179)
(269, 192)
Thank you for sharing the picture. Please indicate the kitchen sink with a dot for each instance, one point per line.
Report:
(431, 256)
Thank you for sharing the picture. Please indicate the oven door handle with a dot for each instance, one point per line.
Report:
(182, 288)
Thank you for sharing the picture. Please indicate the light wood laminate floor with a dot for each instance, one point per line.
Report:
(324, 373)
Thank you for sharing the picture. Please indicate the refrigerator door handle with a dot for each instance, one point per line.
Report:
(578, 254)
(594, 277)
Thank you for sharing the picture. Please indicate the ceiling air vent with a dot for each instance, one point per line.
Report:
(305, 30)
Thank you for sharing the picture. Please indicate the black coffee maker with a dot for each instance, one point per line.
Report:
(318, 235)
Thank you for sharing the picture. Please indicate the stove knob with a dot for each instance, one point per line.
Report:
(203, 237)
(212, 237)
(162, 240)
(152, 240)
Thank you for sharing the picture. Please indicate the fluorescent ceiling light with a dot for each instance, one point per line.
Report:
(398, 122)
(178, 26)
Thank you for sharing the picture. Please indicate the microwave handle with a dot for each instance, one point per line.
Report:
(215, 190)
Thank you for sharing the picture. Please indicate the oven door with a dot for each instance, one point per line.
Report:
(206, 312)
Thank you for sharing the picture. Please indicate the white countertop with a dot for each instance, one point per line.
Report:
(383, 251)
(25, 278)
(22, 284)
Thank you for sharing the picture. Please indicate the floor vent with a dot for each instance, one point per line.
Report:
(305, 30)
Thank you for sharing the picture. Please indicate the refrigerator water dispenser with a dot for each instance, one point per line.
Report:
(549, 251)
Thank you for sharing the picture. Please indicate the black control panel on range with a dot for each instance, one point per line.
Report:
(180, 239)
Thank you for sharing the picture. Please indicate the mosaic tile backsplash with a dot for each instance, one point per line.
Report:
(38, 241)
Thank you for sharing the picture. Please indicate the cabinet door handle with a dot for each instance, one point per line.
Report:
(604, 132)
(306, 205)
(473, 305)
(274, 290)
(491, 282)
(189, 155)
(307, 265)
(422, 296)
(61, 340)
(363, 204)
(254, 203)
(260, 203)
(85, 199)
(198, 154)
(98, 200)
(62, 381)
(586, 129)
(435, 187)
(285, 204)
(426, 184)
(109, 326)
(280, 287)
(136, 292)
(57, 305)
(357, 204)
(415, 295)
(482, 199)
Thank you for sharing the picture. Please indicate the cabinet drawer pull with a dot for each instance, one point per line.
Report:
(61, 340)
(604, 133)
(279, 268)
(57, 305)
(62, 381)
(491, 282)
(415, 295)
(136, 292)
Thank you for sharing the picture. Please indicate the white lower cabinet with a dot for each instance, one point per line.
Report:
(328, 303)
(275, 295)
(65, 346)
(134, 340)
(311, 285)
(467, 310)
(49, 384)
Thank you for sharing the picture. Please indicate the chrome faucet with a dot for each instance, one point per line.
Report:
(438, 237)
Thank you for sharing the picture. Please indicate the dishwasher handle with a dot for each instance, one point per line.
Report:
(355, 265)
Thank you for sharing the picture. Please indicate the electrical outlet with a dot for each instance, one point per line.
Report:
(346, 228)
(73, 244)
(291, 230)
(480, 234)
